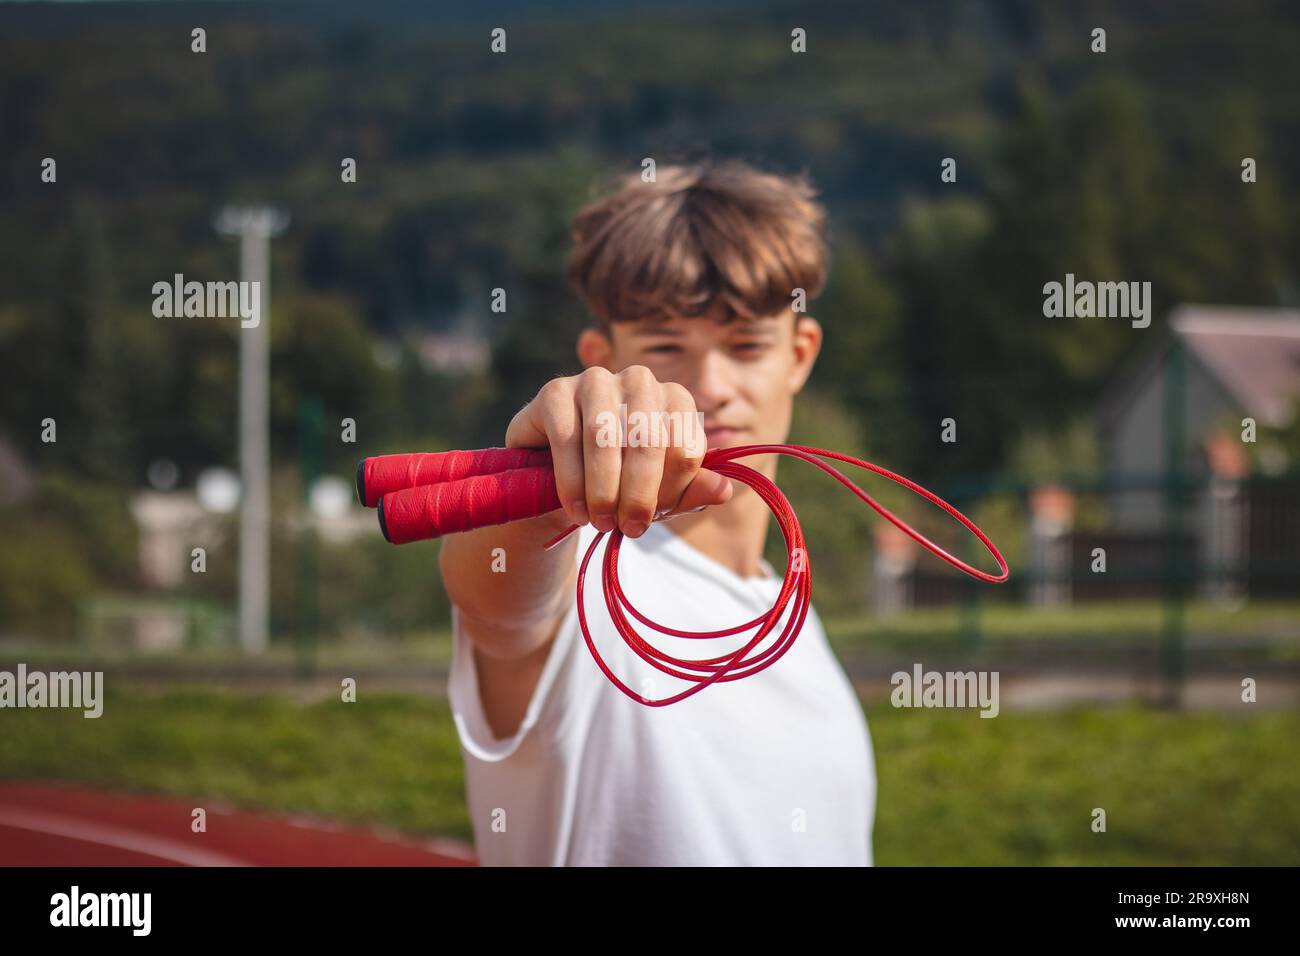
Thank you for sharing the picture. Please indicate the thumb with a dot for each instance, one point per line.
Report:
(706, 488)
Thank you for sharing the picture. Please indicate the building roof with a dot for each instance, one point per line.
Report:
(1253, 354)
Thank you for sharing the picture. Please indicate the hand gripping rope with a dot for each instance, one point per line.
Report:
(422, 496)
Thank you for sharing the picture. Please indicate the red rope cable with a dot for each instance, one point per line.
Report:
(797, 583)
(473, 489)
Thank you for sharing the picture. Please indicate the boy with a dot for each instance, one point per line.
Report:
(690, 281)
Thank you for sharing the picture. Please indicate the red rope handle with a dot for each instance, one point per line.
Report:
(492, 486)
(378, 476)
(429, 511)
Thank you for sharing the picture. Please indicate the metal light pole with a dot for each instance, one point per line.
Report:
(254, 225)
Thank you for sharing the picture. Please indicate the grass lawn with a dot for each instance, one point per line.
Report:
(1273, 627)
(1006, 627)
(1199, 789)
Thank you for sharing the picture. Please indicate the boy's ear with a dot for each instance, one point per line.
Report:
(807, 345)
(594, 348)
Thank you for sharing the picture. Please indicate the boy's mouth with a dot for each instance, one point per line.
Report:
(719, 436)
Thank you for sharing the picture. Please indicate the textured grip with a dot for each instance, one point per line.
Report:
(429, 511)
(382, 474)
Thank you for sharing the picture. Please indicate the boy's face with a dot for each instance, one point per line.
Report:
(743, 374)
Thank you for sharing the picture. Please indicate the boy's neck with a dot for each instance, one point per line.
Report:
(732, 534)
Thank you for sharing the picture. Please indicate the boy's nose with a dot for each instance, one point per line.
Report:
(712, 385)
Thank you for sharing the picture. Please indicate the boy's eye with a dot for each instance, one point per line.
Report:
(746, 348)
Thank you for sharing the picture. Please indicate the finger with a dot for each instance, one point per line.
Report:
(685, 453)
(598, 399)
(643, 458)
(643, 471)
(564, 431)
(552, 420)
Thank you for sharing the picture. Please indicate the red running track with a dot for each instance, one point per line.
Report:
(47, 824)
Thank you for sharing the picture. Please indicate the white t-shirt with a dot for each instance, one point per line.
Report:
(772, 769)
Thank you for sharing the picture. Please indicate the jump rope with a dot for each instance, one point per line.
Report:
(424, 496)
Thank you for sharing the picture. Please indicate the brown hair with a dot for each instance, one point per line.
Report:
(701, 235)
